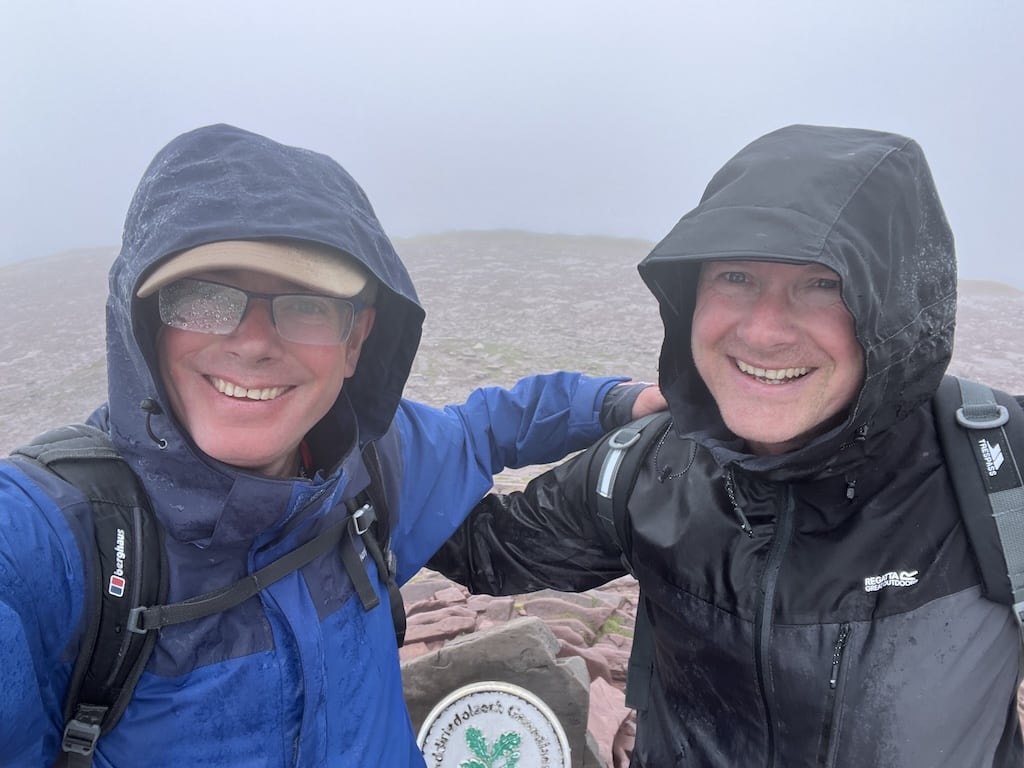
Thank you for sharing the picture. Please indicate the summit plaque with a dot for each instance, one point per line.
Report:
(493, 725)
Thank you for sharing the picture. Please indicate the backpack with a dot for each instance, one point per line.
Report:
(128, 561)
(978, 432)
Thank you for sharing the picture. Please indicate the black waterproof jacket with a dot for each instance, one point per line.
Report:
(847, 629)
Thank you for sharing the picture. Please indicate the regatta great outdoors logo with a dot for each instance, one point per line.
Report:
(993, 455)
(890, 579)
(117, 582)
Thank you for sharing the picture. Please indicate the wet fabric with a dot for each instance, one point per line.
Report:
(847, 629)
(299, 675)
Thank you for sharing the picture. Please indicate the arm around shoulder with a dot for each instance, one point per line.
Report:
(450, 456)
(544, 537)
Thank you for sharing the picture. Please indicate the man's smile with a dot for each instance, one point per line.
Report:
(772, 375)
(240, 392)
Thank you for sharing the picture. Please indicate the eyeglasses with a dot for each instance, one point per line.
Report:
(305, 318)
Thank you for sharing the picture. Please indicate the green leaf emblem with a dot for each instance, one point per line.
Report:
(505, 753)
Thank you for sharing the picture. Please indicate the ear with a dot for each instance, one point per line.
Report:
(354, 345)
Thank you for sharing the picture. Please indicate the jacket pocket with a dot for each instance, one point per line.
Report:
(834, 683)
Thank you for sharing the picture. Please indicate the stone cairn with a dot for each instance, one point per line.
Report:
(571, 650)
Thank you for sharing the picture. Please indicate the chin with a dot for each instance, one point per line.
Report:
(235, 453)
(767, 441)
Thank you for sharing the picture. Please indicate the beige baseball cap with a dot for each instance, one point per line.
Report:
(318, 267)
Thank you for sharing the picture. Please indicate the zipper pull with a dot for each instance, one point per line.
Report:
(837, 654)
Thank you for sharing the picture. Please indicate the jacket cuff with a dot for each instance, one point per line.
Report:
(617, 407)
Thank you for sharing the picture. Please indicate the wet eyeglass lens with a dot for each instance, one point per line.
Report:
(202, 307)
(206, 307)
(313, 319)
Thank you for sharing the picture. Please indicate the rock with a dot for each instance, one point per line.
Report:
(438, 628)
(522, 652)
(574, 627)
(590, 631)
(597, 664)
(491, 610)
(423, 587)
(607, 714)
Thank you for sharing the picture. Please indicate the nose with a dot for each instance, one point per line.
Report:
(256, 335)
(770, 320)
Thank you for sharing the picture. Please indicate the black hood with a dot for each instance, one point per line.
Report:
(862, 203)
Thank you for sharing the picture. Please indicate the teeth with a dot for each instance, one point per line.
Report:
(773, 375)
(231, 390)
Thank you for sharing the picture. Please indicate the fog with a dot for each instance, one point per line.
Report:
(574, 116)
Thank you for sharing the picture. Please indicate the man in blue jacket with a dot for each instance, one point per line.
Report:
(260, 330)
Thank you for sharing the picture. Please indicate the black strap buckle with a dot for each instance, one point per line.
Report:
(136, 616)
(80, 738)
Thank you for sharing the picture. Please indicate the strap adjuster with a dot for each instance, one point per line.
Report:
(362, 519)
(134, 620)
(618, 444)
(80, 738)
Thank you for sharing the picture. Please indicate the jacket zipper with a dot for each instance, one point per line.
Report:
(764, 615)
(837, 654)
(829, 735)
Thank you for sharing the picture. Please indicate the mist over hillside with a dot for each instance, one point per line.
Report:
(500, 305)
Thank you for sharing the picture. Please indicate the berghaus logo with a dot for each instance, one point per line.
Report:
(117, 582)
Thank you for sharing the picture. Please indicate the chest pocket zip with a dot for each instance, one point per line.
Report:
(837, 654)
(830, 727)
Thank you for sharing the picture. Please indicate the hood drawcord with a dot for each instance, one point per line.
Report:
(152, 408)
(851, 482)
(666, 473)
(730, 490)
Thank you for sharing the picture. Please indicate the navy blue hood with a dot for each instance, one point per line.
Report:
(862, 203)
(223, 183)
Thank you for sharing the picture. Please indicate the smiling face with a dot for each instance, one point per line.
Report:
(775, 346)
(248, 398)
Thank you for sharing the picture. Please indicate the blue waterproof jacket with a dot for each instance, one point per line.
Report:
(301, 674)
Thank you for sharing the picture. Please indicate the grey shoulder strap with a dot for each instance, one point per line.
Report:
(978, 430)
(614, 467)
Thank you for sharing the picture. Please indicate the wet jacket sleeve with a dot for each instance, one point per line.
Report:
(40, 606)
(543, 537)
(450, 455)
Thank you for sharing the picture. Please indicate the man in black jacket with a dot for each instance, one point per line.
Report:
(812, 592)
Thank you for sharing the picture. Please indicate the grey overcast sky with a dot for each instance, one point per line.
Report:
(574, 116)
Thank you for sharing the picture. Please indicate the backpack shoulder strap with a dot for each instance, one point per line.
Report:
(371, 509)
(124, 569)
(614, 466)
(982, 436)
(128, 580)
(144, 619)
